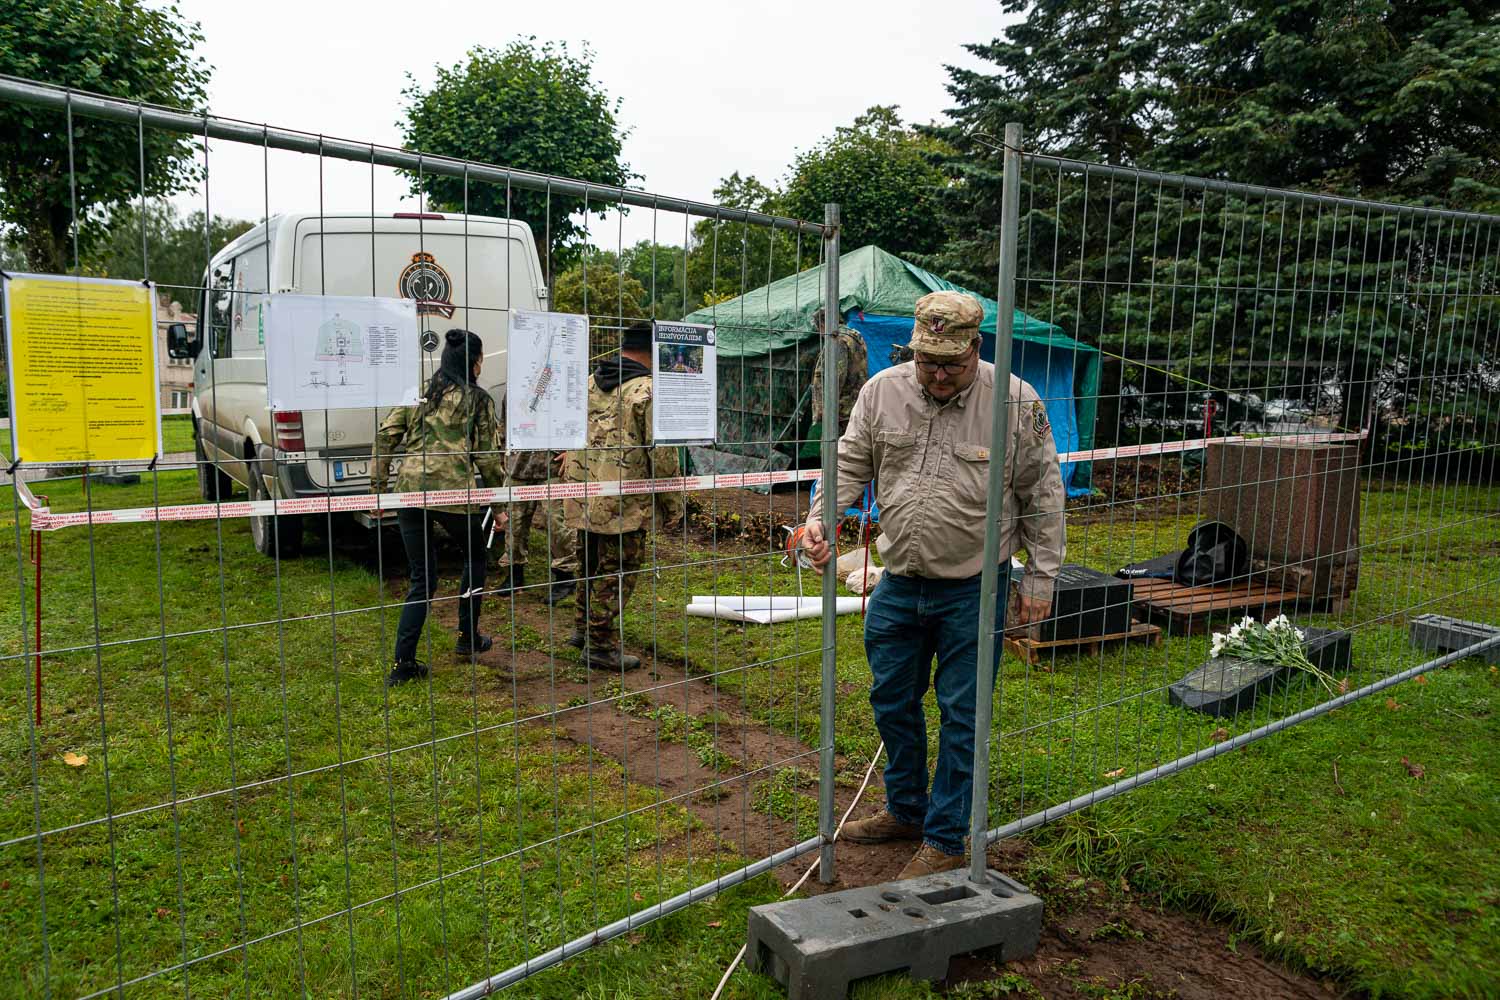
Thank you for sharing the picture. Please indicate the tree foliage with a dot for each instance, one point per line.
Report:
(116, 47)
(726, 259)
(177, 248)
(610, 297)
(1394, 103)
(596, 286)
(529, 106)
(660, 269)
(884, 179)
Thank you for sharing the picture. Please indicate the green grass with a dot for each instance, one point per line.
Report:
(1392, 885)
(254, 862)
(176, 434)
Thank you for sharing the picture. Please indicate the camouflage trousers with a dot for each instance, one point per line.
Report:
(518, 535)
(611, 566)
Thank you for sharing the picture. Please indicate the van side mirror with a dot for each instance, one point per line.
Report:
(181, 343)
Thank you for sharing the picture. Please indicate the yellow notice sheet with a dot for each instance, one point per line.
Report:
(83, 384)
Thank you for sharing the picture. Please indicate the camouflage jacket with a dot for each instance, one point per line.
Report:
(853, 371)
(524, 467)
(619, 449)
(441, 446)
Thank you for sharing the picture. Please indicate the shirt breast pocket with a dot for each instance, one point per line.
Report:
(896, 462)
(971, 474)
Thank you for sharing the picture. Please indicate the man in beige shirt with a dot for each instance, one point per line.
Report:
(922, 431)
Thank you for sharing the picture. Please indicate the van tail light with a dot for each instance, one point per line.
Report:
(417, 215)
(289, 430)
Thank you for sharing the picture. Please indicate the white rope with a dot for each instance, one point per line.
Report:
(869, 772)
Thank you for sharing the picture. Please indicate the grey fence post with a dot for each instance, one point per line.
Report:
(828, 489)
(984, 696)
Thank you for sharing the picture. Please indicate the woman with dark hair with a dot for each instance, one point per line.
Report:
(442, 442)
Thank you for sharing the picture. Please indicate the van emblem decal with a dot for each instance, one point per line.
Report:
(425, 280)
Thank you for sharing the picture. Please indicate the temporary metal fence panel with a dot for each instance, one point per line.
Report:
(214, 790)
(1319, 373)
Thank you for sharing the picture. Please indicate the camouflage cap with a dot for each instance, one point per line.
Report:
(945, 323)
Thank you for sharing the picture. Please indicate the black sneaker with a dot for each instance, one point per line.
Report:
(578, 639)
(563, 585)
(405, 670)
(481, 643)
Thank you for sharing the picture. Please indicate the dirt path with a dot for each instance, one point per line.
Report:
(1097, 940)
(640, 721)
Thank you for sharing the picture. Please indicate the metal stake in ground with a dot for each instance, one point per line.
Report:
(829, 489)
(984, 697)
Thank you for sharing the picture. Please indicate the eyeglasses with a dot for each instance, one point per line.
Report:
(947, 368)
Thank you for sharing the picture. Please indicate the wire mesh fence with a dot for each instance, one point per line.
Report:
(220, 788)
(1300, 423)
(214, 787)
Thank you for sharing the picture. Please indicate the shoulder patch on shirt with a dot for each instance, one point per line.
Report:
(1039, 423)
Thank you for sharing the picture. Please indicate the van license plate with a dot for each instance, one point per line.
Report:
(350, 470)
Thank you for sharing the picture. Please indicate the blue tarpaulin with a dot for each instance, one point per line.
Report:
(1049, 370)
(767, 346)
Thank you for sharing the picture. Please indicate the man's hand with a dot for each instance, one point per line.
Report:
(817, 548)
(1033, 610)
(501, 518)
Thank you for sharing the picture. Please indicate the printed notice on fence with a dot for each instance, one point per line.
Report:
(547, 380)
(684, 376)
(336, 352)
(82, 369)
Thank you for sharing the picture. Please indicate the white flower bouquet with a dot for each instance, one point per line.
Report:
(1278, 643)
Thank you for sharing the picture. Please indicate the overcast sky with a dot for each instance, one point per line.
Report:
(706, 88)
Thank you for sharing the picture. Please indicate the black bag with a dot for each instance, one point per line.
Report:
(1214, 554)
(1160, 568)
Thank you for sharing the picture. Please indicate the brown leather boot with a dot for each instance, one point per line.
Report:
(929, 861)
(878, 829)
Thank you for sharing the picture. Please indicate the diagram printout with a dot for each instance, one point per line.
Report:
(331, 352)
(547, 381)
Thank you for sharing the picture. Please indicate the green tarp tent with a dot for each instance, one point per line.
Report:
(767, 348)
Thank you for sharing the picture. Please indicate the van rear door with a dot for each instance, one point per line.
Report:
(463, 273)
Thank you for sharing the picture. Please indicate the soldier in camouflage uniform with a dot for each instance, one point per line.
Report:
(442, 442)
(853, 370)
(527, 468)
(612, 530)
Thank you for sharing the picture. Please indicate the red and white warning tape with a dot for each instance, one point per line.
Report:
(42, 518)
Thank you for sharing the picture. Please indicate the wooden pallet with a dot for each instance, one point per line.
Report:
(1032, 651)
(1190, 610)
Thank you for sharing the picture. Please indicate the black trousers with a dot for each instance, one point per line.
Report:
(418, 537)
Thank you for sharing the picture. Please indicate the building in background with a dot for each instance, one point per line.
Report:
(175, 376)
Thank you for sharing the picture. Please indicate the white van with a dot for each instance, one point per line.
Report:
(462, 271)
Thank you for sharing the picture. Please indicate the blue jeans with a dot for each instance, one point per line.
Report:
(908, 621)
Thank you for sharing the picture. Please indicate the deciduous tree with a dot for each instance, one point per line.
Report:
(115, 47)
(529, 106)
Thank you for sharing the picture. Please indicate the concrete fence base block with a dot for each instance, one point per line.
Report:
(1443, 634)
(817, 947)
